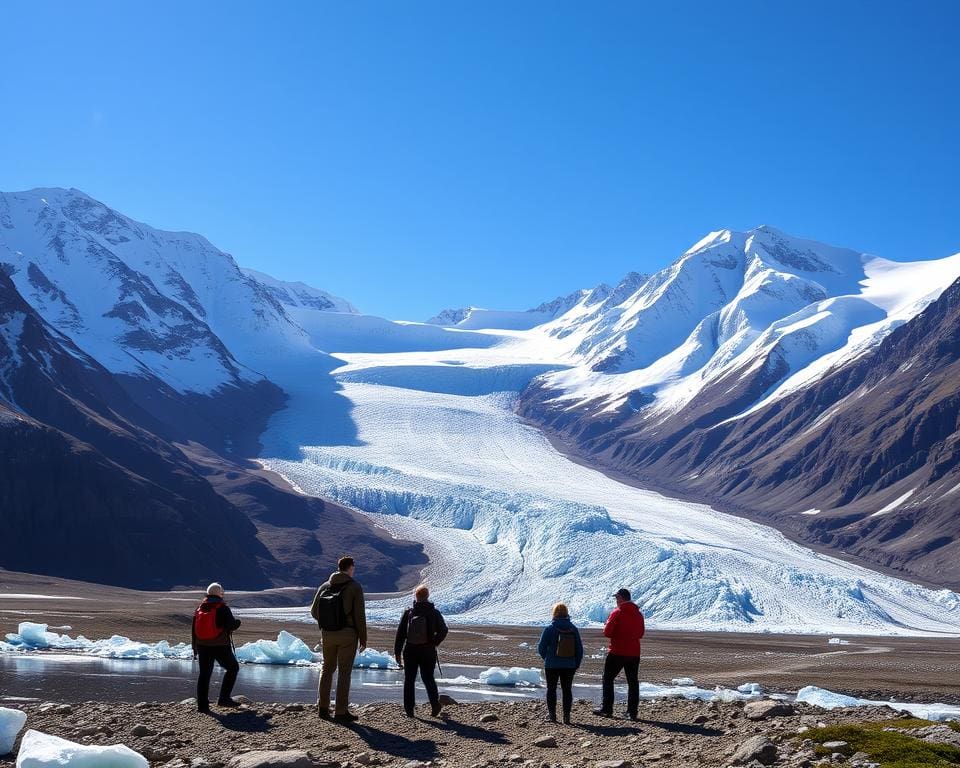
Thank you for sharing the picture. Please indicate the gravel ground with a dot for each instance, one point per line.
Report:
(669, 733)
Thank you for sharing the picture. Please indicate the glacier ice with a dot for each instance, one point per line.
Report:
(824, 699)
(374, 659)
(41, 750)
(512, 526)
(32, 637)
(11, 721)
(512, 676)
(286, 649)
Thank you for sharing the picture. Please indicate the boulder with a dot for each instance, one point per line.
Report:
(762, 710)
(140, 731)
(758, 748)
(447, 701)
(545, 742)
(489, 717)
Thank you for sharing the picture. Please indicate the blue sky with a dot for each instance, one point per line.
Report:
(414, 156)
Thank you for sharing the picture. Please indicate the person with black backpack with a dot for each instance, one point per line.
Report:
(213, 624)
(561, 649)
(421, 630)
(341, 614)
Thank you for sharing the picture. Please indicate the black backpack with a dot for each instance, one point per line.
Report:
(419, 631)
(566, 643)
(328, 608)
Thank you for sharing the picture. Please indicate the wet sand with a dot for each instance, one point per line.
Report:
(919, 669)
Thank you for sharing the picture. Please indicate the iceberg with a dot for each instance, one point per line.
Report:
(11, 721)
(36, 637)
(286, 649)
(513, 676)
(374, 659)
(40, 750)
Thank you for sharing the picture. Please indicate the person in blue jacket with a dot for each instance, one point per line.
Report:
(561, 649)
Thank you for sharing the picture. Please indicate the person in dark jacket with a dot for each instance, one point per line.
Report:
(421, 630)
(624, 628)
(218, 649)
(561, 649)
(340, 646)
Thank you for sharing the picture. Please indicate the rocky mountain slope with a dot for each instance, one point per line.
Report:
(829, 415)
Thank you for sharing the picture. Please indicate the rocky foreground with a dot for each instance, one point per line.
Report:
(669, 733)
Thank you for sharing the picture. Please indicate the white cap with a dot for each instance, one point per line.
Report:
(215, 589)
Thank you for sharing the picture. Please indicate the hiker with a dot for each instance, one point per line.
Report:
(624, 628)
(421, 630)
(561, 649)
(213, 624)
(341, 615)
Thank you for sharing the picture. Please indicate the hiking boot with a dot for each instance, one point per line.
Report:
(435, 710)
(602, 713)
(566, 719)
(408, 712)
(632, 717)
(551, 717)
(203, 707)
(323, 714)
(346, 717)
(228, 703)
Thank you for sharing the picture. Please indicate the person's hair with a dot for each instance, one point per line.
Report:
(345, 563)
(560, 611)
(215, 589)
(421, 592)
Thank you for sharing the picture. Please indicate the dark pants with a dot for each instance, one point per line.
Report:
(422, 659)
(222, 655)
(631, 669)
(565, 678)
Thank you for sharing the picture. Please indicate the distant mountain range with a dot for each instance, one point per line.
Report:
(809, 387)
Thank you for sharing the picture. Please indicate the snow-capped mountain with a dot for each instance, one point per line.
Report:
(734, 304)
(139, 300)
(127, 375)
(299, 294)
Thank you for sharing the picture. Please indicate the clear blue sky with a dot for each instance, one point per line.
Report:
(416, 155)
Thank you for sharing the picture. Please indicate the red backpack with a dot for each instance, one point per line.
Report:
(205, 621)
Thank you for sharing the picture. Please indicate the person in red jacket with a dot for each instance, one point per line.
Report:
(624, 628)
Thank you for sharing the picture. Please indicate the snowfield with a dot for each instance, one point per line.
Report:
(512, 526)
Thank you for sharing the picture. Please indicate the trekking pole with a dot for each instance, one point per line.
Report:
(438, 665)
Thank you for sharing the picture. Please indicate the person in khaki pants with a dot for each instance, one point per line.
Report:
(340, 606)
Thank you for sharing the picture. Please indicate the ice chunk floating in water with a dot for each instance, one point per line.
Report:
(286, 649)
(512, 676)
(40, 750)
(33, 637)
(11, 721)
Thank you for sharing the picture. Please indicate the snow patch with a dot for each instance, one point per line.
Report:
(820, 697)
(894, 504)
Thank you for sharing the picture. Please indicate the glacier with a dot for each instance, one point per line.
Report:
(437, 455)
